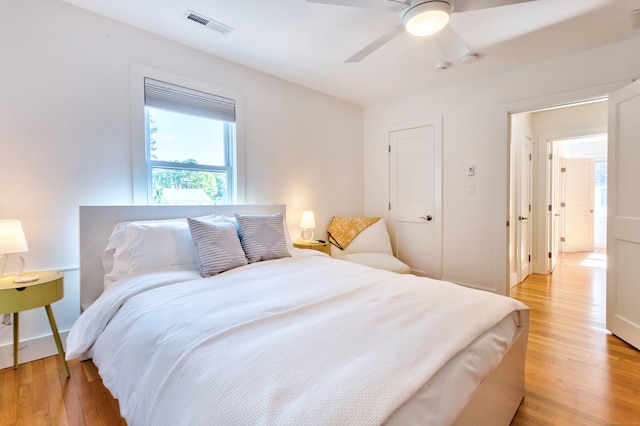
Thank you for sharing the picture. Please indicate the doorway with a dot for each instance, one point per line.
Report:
(582, 187)
(558, 134)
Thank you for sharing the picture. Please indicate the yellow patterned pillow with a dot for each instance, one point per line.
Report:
(343, 230)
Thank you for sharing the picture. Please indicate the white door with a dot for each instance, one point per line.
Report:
(623, 235)
(579, 191)
(524, 208)
(415, 195)
(555, 211)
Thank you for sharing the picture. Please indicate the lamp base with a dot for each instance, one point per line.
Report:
(4, 265)
(306, 234)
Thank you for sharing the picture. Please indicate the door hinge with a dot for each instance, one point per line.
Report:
(550, 156)
(529, 258)
(389, 148)
(562, 239)
(562, 205)
(563, 170)
(550, 208)
(389, 205)
(529, 207)
(507, 224)
(549, 255)
(529, 157)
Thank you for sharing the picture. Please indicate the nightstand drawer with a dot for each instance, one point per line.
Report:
(21, 297)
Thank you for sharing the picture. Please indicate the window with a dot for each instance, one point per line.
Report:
(600, 199)
(189, 136)
(186, 140)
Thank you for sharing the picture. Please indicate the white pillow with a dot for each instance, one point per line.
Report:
(149, 245)
(374, 239)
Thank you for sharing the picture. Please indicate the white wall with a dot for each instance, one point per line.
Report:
(573, 121)
(65, 137)
(475, 132)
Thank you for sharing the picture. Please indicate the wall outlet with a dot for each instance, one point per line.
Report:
(471, 188)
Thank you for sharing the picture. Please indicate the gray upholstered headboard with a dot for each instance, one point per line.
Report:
(97, 223)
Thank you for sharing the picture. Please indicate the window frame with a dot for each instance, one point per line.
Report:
(141, 161)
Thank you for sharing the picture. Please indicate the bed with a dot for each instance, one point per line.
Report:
(294, 338)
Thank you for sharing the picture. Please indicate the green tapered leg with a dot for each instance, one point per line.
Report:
(56, 336)
(15, 340)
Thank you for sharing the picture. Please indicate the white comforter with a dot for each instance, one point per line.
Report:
(302, 340)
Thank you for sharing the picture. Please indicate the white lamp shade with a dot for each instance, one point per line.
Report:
(12, 238)
(307, 221)
(426, 18)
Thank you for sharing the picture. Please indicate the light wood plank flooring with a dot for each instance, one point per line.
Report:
(576, 372)
(39, 393)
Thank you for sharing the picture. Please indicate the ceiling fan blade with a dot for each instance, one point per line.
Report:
(378, 43)
(389, 5)
(450, 44)
(469, 5)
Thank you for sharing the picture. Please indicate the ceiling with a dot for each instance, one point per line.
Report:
(307, 43)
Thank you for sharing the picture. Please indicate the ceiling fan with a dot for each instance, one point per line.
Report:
(423, 18)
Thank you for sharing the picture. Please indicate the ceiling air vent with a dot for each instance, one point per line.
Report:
(207, 22)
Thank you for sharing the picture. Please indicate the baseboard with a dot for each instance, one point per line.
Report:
(31, 350)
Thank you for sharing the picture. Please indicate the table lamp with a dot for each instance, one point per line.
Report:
(308, 224)
(12, 240)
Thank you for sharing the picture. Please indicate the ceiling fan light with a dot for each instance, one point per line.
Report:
(425, 19)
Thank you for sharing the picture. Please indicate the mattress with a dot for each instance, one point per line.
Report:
(300, 340)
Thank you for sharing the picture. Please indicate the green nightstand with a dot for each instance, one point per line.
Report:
(322, 246)
(17, 297)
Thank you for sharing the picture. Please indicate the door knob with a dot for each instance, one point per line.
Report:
(428, 218)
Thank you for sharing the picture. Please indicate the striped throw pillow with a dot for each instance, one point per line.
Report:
(262, 236)
(218, 248)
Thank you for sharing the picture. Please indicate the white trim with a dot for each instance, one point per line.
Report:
(139, 171)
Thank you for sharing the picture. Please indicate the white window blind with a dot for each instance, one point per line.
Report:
(159, 94)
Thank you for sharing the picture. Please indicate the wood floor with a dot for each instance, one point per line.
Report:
(39, 393)
(576, 372)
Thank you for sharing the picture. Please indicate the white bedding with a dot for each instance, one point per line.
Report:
(300, 340)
